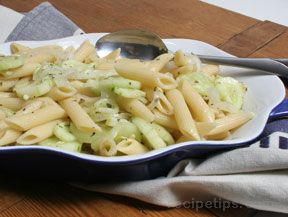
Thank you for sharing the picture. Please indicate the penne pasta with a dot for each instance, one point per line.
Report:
(18, 48)
(200, 109)
(31, 107)
(161, 102)
(146, 76)
(11, 103)
(85, 49)
(82, 88)
(230, 122)
(27, 121)
(9, 136)
(79, 117)
(131, 146)
(62, 92)
(180, 59)
(7, 95)
(37, 134)
(26, 70)
(3, 125)
(158, 63)
(183, 117)
(7, 85)
(107, 147)
(41, 58)
(219, 136)
(113, 55)
(210, 69)
(92, 57)
(165, 120)
(183, 139)
(137, 108)
(2, 115)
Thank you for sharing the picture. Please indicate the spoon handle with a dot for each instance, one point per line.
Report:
(272, 66)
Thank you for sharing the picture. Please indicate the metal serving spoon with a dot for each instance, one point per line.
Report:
(145, 45)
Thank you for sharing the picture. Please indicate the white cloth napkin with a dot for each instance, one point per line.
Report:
(255, 176)
(8, 21)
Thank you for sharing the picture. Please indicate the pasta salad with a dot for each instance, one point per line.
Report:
(74, 100)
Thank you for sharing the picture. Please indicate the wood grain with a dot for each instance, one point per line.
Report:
(182, 18)
(277, 48)
(235, 33)
(58, 199)
(253, 38)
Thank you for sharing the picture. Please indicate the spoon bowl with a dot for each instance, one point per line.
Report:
(134, 44)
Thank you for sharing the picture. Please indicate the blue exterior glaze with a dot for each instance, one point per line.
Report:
(48, 164)
(279, 111)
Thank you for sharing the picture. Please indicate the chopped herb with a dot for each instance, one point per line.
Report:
(130, 83)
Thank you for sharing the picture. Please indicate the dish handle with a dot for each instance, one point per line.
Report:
(279, 111)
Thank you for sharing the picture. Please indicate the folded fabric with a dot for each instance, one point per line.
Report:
(43, 23)
(255, 176)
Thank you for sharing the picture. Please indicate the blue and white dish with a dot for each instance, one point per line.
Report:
(264, 96)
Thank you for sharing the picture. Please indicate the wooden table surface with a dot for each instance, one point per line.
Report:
(234, 33)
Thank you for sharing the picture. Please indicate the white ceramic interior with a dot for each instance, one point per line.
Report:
(264, 93)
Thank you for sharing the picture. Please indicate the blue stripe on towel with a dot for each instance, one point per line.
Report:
(283, 142)
(264, 143)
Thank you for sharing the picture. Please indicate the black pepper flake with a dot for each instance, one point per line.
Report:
(93, 134)
(108, 105)
(24, 109)
(155, 88)
(130, 83)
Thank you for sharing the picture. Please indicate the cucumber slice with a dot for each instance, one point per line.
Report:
(129, 93)
(149, 133)
(164, 134)
(56, 143)
(62, 132)
(200, 81)
(111, 83)
(34, 89)
(125, 129)
(10, 62)
(230, 90)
